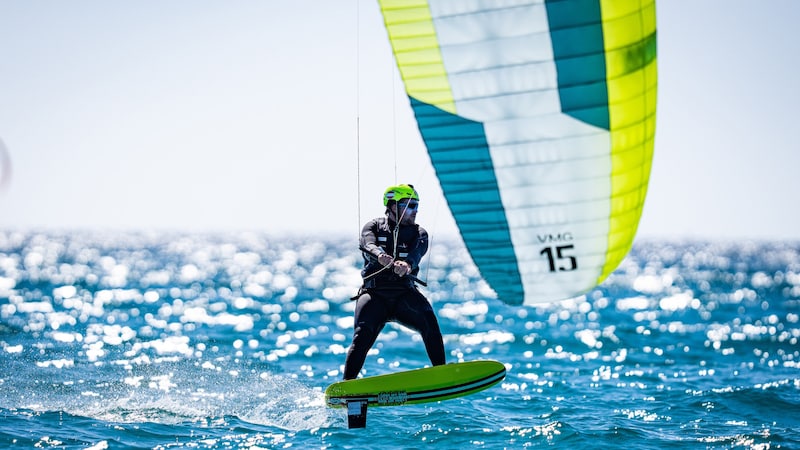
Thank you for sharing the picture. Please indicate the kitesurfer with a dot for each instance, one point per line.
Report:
(392, 247)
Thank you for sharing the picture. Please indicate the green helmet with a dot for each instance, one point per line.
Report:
(399, 192)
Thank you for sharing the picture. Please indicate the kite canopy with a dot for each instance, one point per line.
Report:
(539, 119)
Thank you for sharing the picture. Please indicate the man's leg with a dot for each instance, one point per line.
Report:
(415, 312)
(369, 319)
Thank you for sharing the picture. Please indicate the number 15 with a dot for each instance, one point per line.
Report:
(560, 255)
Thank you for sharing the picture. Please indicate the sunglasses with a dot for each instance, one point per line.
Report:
(412, 205)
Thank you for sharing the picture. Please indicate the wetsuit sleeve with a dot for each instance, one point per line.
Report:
(369, 239)
(415, 256)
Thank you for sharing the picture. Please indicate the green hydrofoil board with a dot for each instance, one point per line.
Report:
(410, 387)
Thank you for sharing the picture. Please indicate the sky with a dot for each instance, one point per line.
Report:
(287, 117)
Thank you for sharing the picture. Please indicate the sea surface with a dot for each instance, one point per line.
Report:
(167, 340)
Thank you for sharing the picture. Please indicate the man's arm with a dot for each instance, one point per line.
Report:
(416, 254)
(368, 242)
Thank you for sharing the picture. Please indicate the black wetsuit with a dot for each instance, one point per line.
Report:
(387, 297)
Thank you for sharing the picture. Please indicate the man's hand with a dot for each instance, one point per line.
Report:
(385, 259)
(402, 268)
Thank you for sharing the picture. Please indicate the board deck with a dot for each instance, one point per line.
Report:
(429, 384)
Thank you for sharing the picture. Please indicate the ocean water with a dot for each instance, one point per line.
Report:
(146, 340)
